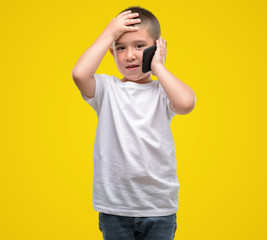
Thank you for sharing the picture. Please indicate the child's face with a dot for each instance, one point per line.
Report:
(128, 54)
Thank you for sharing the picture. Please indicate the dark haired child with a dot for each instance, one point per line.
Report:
(135, 186)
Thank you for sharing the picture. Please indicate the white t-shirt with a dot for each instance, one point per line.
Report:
(134, 154)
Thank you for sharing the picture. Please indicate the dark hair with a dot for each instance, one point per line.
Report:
(148, 18)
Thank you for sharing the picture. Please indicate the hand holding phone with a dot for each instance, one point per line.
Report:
(147, 58)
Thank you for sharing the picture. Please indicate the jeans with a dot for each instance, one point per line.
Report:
(115, 227)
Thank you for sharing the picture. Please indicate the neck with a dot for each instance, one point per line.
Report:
(140, 81)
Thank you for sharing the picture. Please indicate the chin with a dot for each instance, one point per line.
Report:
(136, 78)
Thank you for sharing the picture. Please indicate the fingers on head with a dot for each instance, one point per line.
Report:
(125, 13)
(132, 29)
(129, 14)
(133, 21)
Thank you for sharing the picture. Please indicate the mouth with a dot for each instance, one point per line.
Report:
(132, 67)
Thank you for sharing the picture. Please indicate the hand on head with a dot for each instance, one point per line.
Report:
(122, 23)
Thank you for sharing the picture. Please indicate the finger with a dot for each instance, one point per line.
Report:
(165, 50)
(162, 49)
(124, 13)
(131, 29)
(157, 43)
(132, 15)
(133, 21)
(163, 42)
(159, 48)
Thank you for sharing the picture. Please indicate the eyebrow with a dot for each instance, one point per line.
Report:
(137, 41)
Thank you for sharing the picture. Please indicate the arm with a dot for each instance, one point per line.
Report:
(85, 68)
(182, 97)
(83, 71)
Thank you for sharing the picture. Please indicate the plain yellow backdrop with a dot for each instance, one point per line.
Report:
(218, 48)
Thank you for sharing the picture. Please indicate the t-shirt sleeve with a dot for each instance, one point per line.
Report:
(166, 102)
(100, 87)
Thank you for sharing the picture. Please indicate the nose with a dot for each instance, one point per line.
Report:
(130, 54)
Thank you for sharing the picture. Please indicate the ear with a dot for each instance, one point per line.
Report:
(111, 51)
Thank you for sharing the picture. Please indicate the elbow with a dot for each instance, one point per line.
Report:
(75, 75)
(190, 105)
(189, 108)
(79, 76)
(186, 108)
(183, 110)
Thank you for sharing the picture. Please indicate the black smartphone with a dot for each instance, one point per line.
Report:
(147, 58)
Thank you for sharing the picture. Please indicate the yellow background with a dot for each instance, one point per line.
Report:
(218, 48)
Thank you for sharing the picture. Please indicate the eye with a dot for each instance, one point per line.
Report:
(140, 45)
(120, 48)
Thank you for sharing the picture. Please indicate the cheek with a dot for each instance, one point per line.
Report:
(119, 58)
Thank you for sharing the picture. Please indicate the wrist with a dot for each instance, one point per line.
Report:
(157, 69)
(108, 36)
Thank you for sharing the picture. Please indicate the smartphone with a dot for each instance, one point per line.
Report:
(147, 58)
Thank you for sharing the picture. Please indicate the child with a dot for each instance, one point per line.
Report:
(135, 186)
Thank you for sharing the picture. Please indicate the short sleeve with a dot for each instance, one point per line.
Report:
(96, 101)
(166, 101)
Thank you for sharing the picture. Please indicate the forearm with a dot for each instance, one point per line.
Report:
(90, 60)
(181, 96)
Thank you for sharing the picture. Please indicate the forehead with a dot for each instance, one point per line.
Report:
(141, 35)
